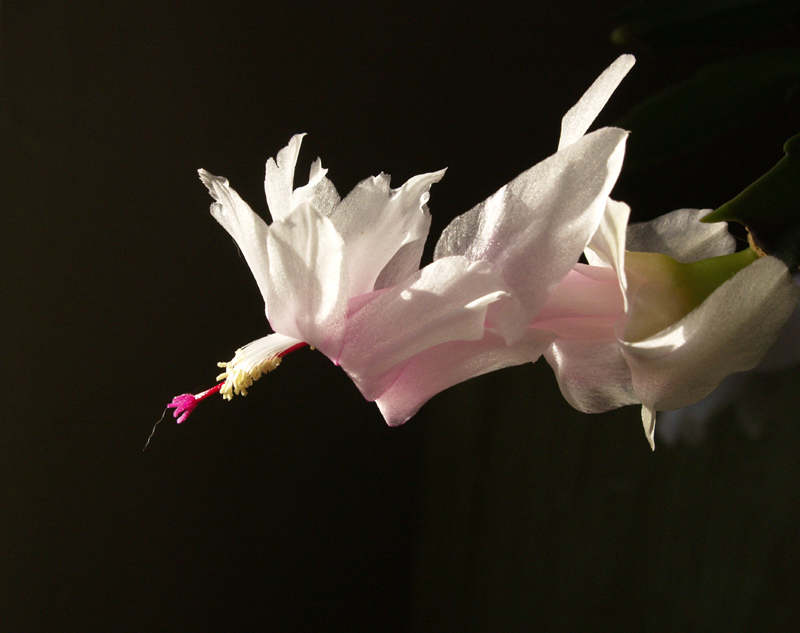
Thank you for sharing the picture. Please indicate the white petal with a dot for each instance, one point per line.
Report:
(649, 424)
(592, 374)
(785, 352)
(307, 279)
(279, 179)
(404, 264)
(319, 191)
(535, 228)
(607, 247)
(437, 368)
(728, 332)
(376, 221)
(244, 226)
(582, 114)
(445, 301)
(682, 236)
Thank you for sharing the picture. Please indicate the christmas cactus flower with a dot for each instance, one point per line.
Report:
(343, 276)
(748, 395)
(662, 323)
(323, 260)
(532, 231)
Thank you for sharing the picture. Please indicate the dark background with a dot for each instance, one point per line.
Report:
(497, 508)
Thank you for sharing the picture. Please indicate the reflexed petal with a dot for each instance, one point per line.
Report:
(307, 279)
(728, 332)
(593, 375)
(444, 301)
(448, 364)
(682, 236)
(244, 226)
(582, 114)
(534, 229)
(279, 179)
(375, 221)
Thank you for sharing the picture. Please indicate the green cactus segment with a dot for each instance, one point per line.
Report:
(770, 208)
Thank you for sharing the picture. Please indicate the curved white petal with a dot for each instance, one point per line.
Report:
(307, 279)
(682, 236)
(444, 301)
(607, 246)
(437, 368)
(582, 114)
(728, 332)
(244, 226)
(592, 374)
(279, 179)
(534, 229)
(375, 221)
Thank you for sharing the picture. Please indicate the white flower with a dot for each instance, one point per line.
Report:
(324, 262)
(343, 275)
(749, 394)
(532, 231)
(662, 329)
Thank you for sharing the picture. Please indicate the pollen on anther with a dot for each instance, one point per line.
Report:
(239, 375)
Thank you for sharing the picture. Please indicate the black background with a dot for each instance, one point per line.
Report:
(497, 508)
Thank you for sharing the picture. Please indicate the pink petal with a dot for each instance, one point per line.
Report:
(444, 301)
(448, 364)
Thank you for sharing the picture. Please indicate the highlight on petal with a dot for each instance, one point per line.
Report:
(534, 229)
(607, 247)
(319, 192)
(728, 332)
(582, 114)
(592, 375)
